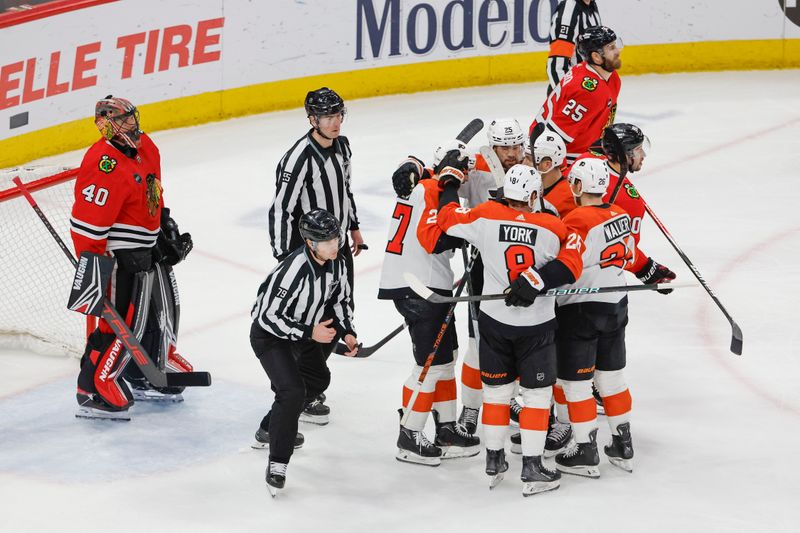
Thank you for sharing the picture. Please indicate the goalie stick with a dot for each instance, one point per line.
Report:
(156, 377)
(418, 287)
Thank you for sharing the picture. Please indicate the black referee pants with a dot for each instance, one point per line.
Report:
(297, 371)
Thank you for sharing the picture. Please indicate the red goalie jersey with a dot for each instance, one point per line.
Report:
(580, 108)
(117, 199)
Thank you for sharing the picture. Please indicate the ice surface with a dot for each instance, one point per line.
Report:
(715, 434)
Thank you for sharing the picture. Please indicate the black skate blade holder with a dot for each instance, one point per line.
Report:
(108, 312)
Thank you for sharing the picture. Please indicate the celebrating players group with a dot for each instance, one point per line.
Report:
(536, 210)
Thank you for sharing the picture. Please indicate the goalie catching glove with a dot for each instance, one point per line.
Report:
(523, 291)
(653, 273)
(407, 175)
(172, 245)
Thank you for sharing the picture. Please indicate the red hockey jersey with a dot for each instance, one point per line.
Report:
(118, 199)
(580, 108)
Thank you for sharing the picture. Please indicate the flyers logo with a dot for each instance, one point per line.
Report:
(107, 164)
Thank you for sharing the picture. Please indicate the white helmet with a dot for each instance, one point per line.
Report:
(521, 182)
(592, 173)
(505, 132)
(445, 147)
(549, 144)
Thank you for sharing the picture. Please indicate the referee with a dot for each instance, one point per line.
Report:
(315, 173)
(570, 19)
(301, 306)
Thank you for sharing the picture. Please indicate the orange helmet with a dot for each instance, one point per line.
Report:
(117, 118)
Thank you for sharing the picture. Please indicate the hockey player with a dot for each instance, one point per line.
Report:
(506, 138)
(301, 306)
(591, 328)
(119, 211)
(315, 173)
(417, 245)
(518, 247)
(585, 100)
(570, 19)
(549, 154)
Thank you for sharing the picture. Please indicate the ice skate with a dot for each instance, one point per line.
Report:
(620, 451)
(276, 477)
(469, 419)
(536, 477)
(262, 440)
(94, 408)
(152, 395)
(315, 412)
(581, 459)
(414, 447)
(559, 436)
(516, 443)
(496, 466)
(454, 440)
(515, 410)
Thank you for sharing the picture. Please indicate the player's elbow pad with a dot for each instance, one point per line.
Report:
(555, 274)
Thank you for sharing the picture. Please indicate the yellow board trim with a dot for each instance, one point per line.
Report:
(430, 76)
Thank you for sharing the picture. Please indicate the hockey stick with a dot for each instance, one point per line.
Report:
(470, 130)
(736, 331)
(494, 164)
(447, 319)
(366, 351)
(424, 292)
(120, 327)
(622, 158)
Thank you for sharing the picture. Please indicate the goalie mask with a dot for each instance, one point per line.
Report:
(593, 175)
(118, 120)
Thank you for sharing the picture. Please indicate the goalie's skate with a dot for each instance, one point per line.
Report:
(152, 395)
(88, 408)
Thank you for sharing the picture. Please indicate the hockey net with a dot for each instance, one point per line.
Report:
(35, 277)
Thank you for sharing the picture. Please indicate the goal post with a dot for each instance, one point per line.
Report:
(35, 278)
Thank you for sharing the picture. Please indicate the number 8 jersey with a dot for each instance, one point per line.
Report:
(417, 245)
(117, 198)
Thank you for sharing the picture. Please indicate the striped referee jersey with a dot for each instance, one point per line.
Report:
(299, 293)
(310, 177)
(570, 19)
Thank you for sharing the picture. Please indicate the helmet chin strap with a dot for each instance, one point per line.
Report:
(318, 131)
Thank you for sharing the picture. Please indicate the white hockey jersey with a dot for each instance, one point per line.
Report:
(413, 234)
(510, 241)
(608, 246)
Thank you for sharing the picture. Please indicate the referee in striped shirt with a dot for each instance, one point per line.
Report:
(301, 306)
(570, 19)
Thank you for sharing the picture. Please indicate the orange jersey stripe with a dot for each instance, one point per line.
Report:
(533, 418)
(558, 395)
(618, 404)
(445, 390)
(583, 411)
(471, 377)
(561, 48)
(560, 195)
(422, 404)
(428, 232)
(496, 415)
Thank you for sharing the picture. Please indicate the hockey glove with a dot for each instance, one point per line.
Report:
(523, 291)
(407, 175)
(173, 245)
(653, 273)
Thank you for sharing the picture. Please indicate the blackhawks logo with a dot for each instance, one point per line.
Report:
(153, 194)
(107, 164)
(631, 190)
(588, 83)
